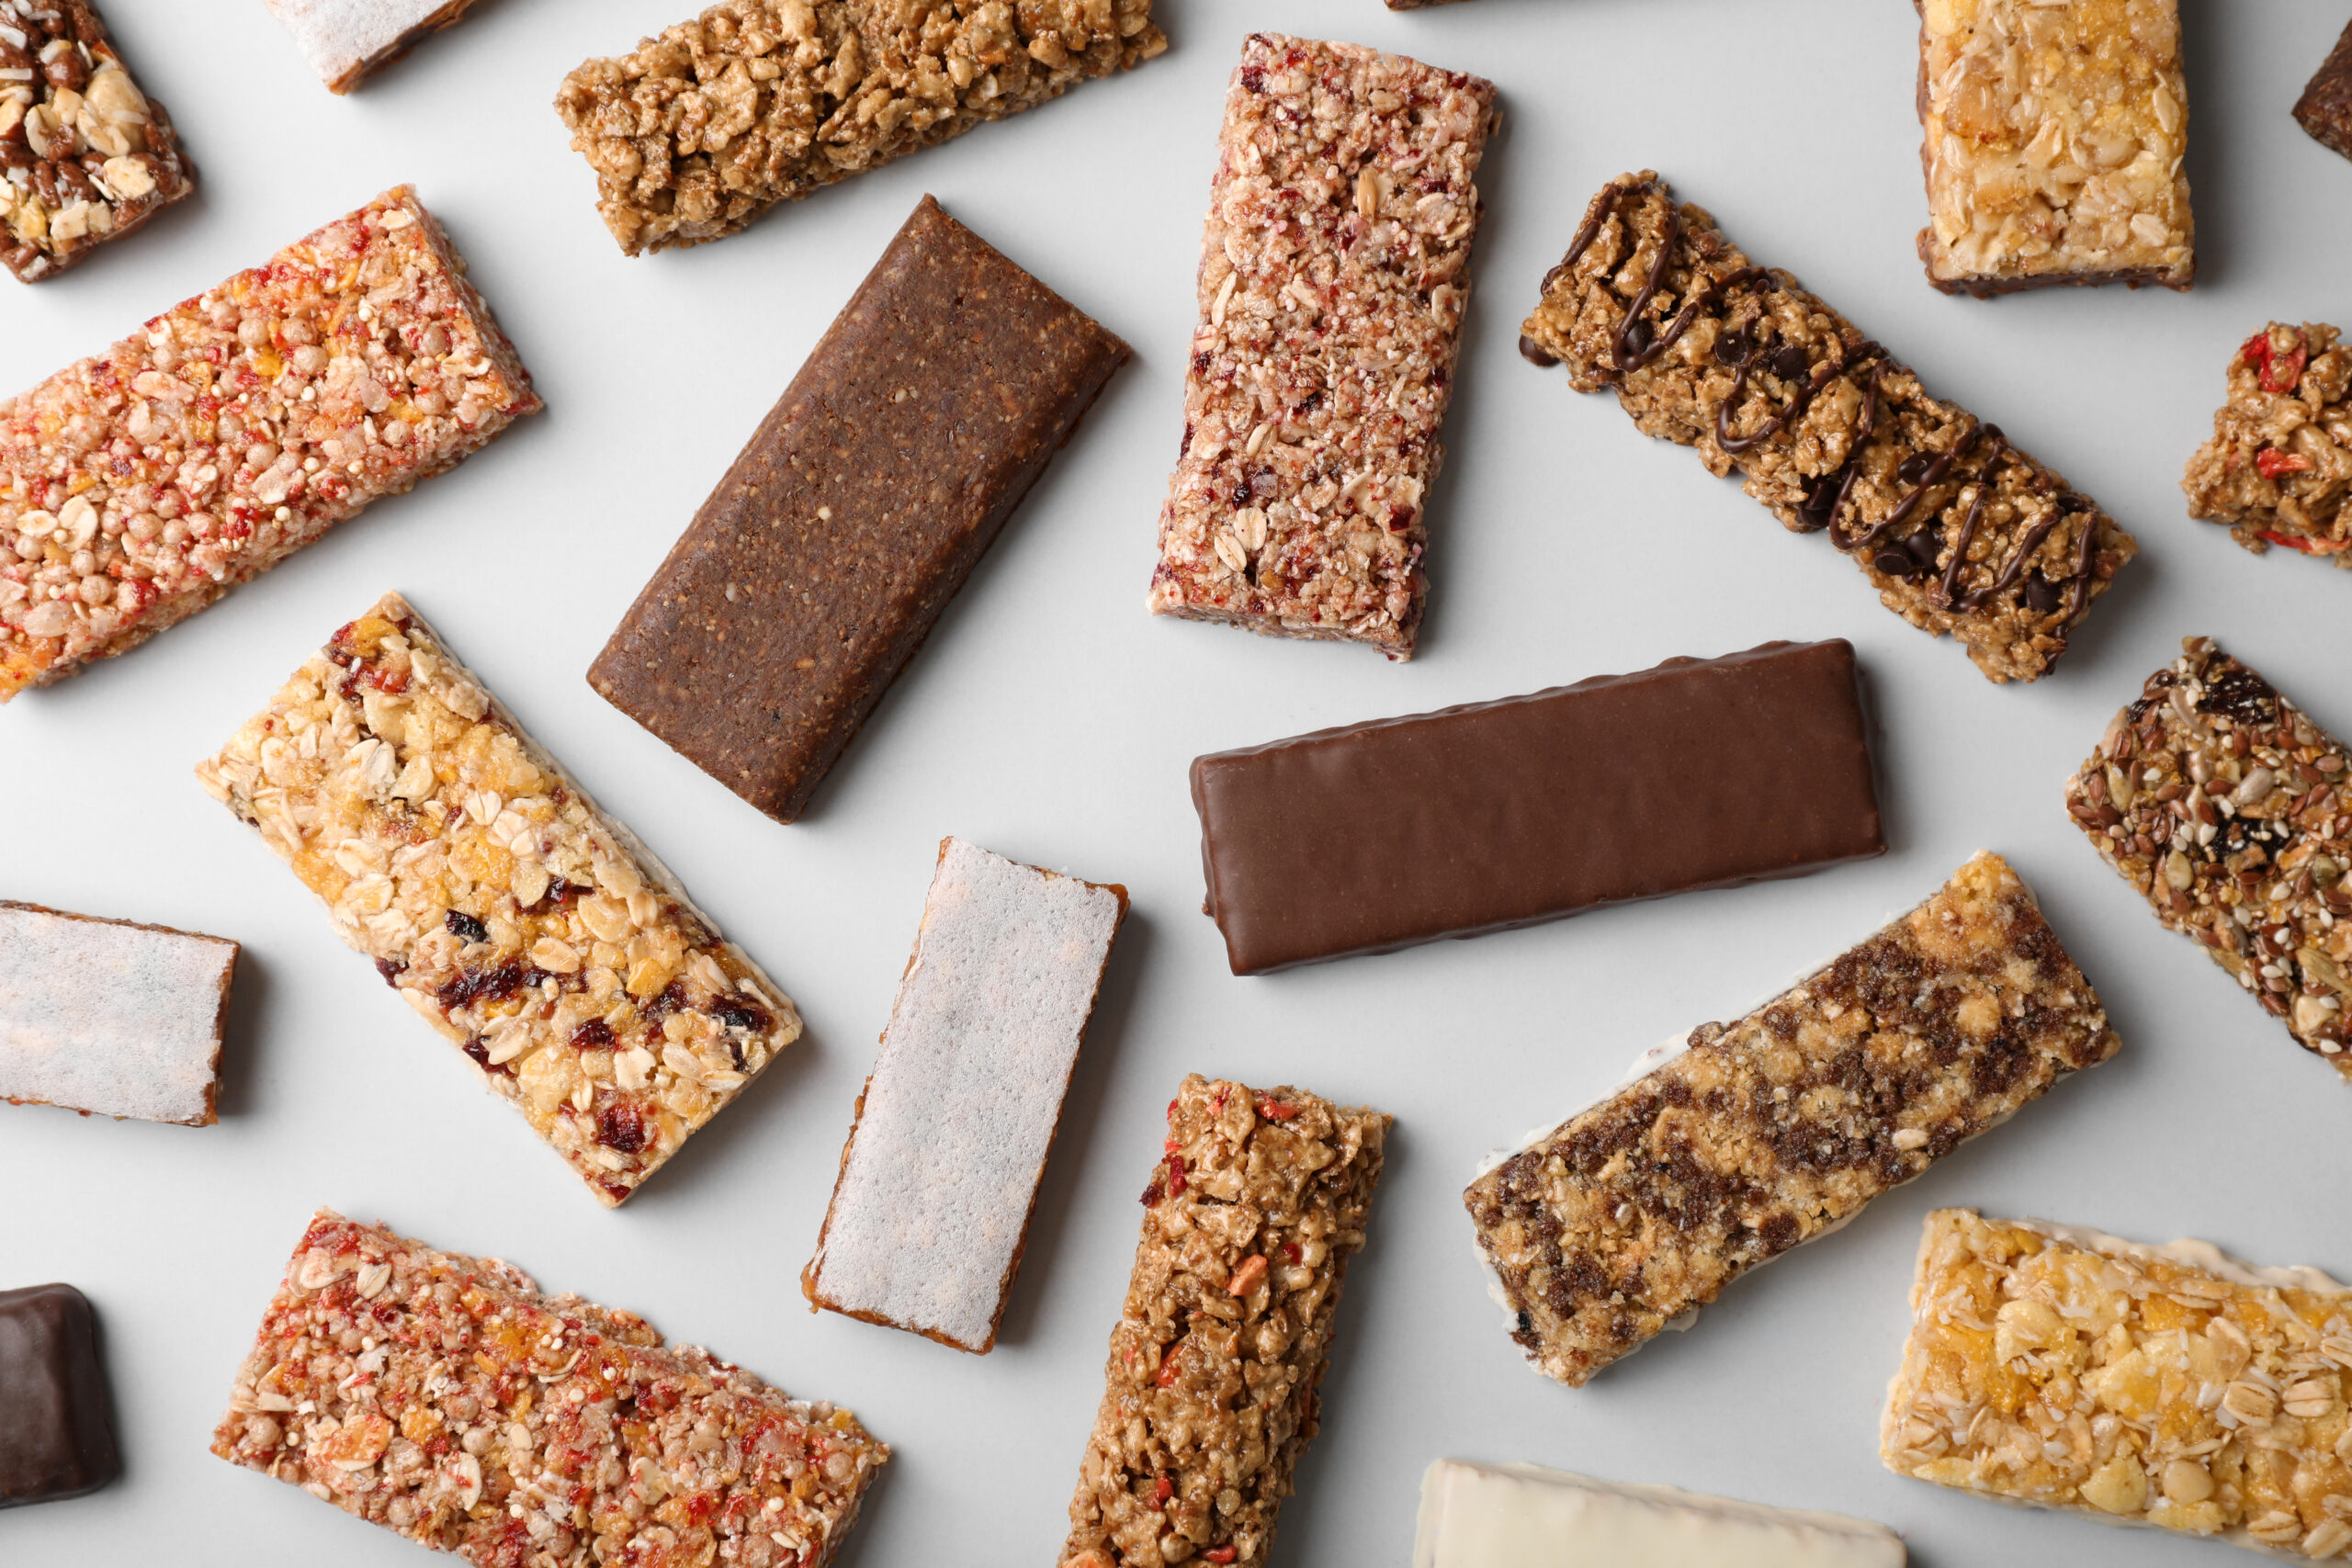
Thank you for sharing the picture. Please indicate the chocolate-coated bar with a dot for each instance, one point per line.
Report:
(816, 567)
(1697, 774)
(56, 1436)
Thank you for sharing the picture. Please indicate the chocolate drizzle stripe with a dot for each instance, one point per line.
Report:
(1950, 587)
(1814, 386)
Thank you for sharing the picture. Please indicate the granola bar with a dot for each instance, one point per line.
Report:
(111, 1017)
(2279, 469)
(56, 1435)
(1259, 1201)
(2054, 142)
(1334, 271)
(137, 486)
(345, 41)
(2230, 812)
(445, 1397)
(1958, 531)
(931, 1211)
(758, 102)
(1771, 1131)
(2171, 1386)
(2325, 108)
(533, 932)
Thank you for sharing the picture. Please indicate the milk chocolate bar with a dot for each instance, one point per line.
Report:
(821, 562)
(56, 1434)
(2325, 108)
(345, 41)
(1698, 773)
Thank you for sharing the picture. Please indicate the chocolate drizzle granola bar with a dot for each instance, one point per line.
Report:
(1258, 1202)
(2279, 469)
(445, 1398)
(1959, 530)
(1770, 1132)
(2230, 812)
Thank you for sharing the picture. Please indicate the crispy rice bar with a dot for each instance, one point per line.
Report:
(533, 931)
(1209, 1399)
(1771, 1131)
(2279, 469)
(444, 1397)
(1958, 531)
(1334, 271)
(2230, 812)
(2171, 1386)
(346, 41)
(137, 486)
(2054, 142)
(757, 102)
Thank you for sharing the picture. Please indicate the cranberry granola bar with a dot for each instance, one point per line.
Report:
(1771, 1131)
(2279, 469)
(2230, 812)
(533, 931)
(1958, 530)
(445, 1397)
(346, 41)
(1258, 1203)
(137, 486)
(2171, 1386)
(1334, 271)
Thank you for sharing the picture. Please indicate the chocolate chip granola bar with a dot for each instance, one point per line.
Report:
(1770, 1132)
(2279, 469)
(1258, 1202)
(1958, 531)
(445, 1397)
(533, 931)
(2230, 812)
(346, 41)
(1334, 271)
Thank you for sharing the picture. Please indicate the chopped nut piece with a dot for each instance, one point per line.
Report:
(2279, 468)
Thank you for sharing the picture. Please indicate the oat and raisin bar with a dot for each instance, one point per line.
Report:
(2230, 812)
(1958, 531)
(1334, 271)
(2325, 108)
(533, 932)
(346, 41)
(56, 1432)
(446, 1398)
(1770, 1131)
(229, 432)
(86, 157)
(758, 102)
(2279, 468)
(1209, 1399)
(2173, 1386)
(2053, 141)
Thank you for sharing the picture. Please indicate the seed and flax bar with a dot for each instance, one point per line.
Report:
(931, 1211)
(2171, 1386)
(1209, 1398)
(2054, 142)
(2230, 812)
(1958, 531)
(533, 931)
(86, 157)
(137, 486)
(2279, 469)
(445, 1397)
(1769, 1132)
(757, 102)
(346, 41)
(2325, 108)
(1334, 271)
(111, 1017)
(56, 1434)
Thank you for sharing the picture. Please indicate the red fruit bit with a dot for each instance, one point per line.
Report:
(1291, 1252)
(1176, 1174)
(1165, 1490)
(1275, 1111)
(1171, 1112)
(1218, 1554)
(2272, 462)
(622, 1127)
(1218, 1104)
(593, 1036)
(2309, 546)
(1167, 1376)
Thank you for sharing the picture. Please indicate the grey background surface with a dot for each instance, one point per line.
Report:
(1050, 719)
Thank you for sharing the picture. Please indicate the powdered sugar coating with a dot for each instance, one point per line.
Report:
(345, 40)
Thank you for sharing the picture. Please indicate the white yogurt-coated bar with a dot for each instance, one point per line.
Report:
(345, 41)
(1521, 1515)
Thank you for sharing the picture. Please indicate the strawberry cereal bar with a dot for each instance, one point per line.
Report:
(445, 1397)
(137, 486)
(533, 932)
(2279, 469)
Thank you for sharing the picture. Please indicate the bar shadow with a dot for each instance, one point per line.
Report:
(2206, 37)
(241, 1034)
(779, 1091)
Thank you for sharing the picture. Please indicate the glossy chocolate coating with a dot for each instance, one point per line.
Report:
(56, 1437)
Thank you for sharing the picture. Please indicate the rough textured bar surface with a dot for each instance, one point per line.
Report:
(2230, 812)
(345, 41)
(931, 1211)
(2279, 469)
(2054, 135)
(2171, 1386)
(445, 1397)
(1697, 774)
(1256, 1207)
(1334, 271)
(757, 102)
(854, 513)
(110, 1017)
(56, 1434)
(533, 932)
(1958, 531)
(1769, 1132)
(137, 486)
(2325, 108)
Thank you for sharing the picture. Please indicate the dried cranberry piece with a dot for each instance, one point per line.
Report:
(1253, 78)
(672, 1000)
(743, 1015)
(593, 1036)
(392, 969)
(495, 983)
(480, 1053)
(465, 926)
(622, 1126)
